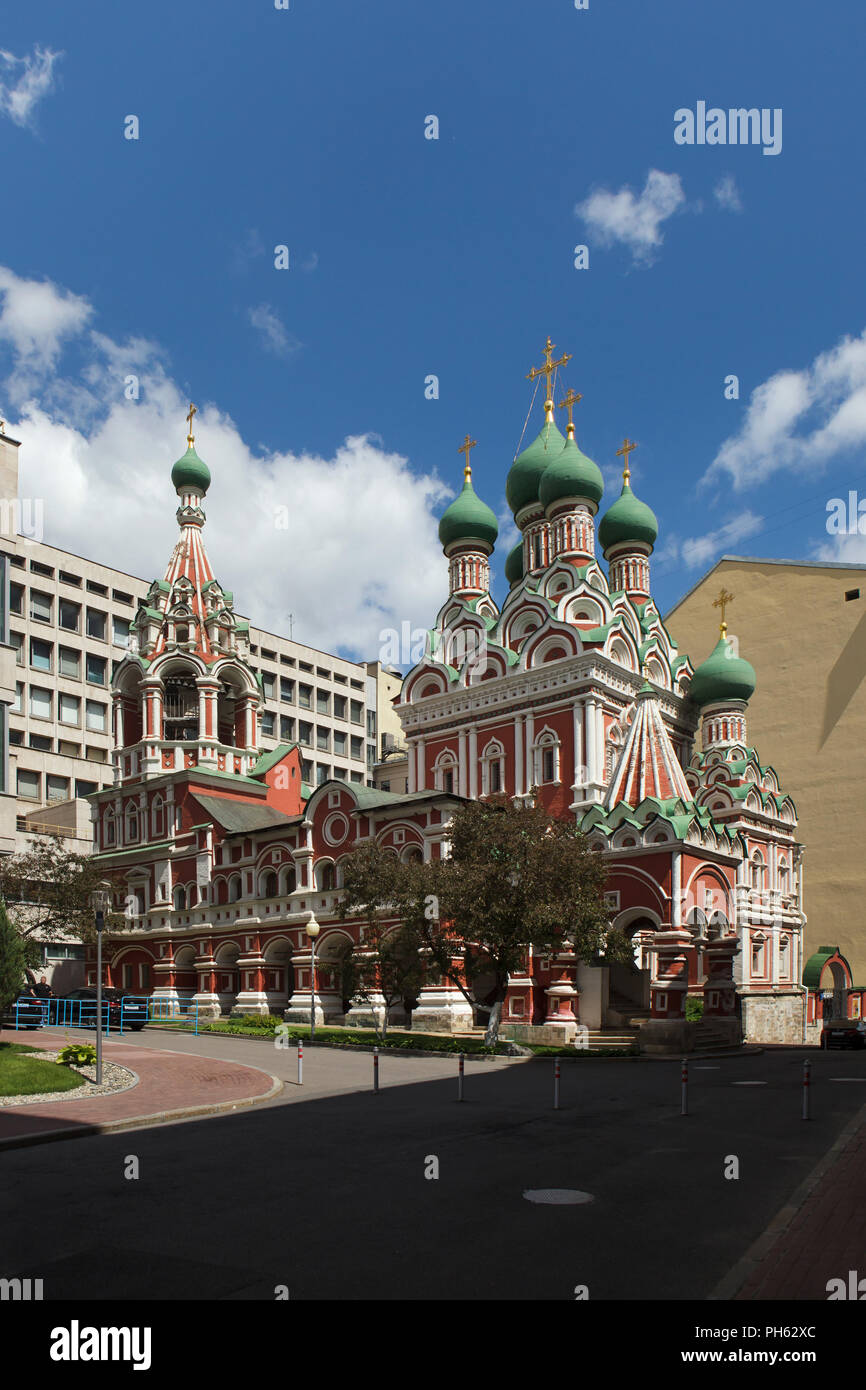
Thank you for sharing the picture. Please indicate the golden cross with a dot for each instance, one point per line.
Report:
(722, 602)
(570, 401)
(623, 453)
(192, 411)
(547, 370)
(464, 449)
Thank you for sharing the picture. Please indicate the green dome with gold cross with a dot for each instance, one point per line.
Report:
(190, 470)
(468, 518)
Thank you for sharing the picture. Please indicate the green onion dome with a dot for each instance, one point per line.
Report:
(571, 474)
(628, 519)
(190, 471)
(723, 676)
(514, 564)
(468, 518)
(525, 474)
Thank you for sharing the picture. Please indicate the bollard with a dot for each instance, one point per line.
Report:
(375, 1068)
(300, 1063)
(460, 1063)
(807, 1070)
(556, 1084)
(685, 1088)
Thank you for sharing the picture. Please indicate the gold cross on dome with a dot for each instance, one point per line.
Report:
(192, 411)
(547, 370)
(568, 403)
(623, 453)
(464, 449)
(722, 602)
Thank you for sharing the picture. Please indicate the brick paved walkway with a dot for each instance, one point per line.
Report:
(820, 1235)
(168, 1082)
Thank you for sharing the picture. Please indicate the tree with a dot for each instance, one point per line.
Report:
(47, 891)
(13, 960)
(515, 878)
(387, 962)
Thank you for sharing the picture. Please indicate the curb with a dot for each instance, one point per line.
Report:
(85, 1131)
(733, 1281)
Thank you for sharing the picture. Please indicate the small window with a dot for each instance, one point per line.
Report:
(66, 577)
(548, 765)
(268, 685)
(40, 654)
(96, 669)
(40, 702)
(57, 788)
(323, 702)
(305, 696)
(36, 567)
(70, 662)
(16, 598)
(95, 714)
(356, 712)
(69, 615)
(268, 721)
(29, 784)
(40, 743)
(851, 594)
(94, 588)
(40, 607)
(357, 748)
(120, 597)
(17, 706)
(287, 690)
(83, 788)
(339, 707)
(120, 632)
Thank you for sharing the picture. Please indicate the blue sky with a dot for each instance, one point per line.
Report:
(410, 256)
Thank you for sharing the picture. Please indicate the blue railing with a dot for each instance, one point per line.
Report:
(81, 1013)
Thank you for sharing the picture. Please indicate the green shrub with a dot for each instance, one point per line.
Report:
(694, 1009)
(77, 1055)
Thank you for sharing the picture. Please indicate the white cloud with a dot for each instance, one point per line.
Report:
(37, 318)
(634, 221)
(700, 550)
(24, 82)
(800, 419)
(843, 550)
(359, 551)
(727, 194)
(275, 337)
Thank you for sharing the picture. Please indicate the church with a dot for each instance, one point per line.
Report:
(573, 692)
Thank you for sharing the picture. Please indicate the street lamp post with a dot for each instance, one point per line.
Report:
(313, 930)
(101, 901)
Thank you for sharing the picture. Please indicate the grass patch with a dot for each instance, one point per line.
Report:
(266, 1026)
(31, 1076)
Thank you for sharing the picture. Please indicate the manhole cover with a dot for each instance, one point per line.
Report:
(558, 1196)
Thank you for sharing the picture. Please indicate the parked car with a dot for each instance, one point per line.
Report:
(80, 1011)
(847, 1032)
(24, 1012)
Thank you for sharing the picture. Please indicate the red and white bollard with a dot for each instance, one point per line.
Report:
(300, 1063)
(460, 1065)
(685, 1088)
(556, 1084)
(375, 1068)
(807, 1081)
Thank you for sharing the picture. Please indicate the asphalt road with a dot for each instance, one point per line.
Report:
(324, 1190)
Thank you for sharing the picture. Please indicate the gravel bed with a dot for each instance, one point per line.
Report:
(114, 1078)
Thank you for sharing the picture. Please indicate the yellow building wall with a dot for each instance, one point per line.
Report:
(807, 718)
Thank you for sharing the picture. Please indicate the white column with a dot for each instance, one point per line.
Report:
(422, 757)
(591, 742)
(579, 781)
(518, 755)
(530, 738)
(413, 765)
(676, 889)
(599, 734)
(473, 762)
(462, 768)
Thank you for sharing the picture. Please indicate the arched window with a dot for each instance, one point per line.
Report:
(757, 868)
(492, 769)
(157, 817)
(178, 897)
(268, 887)
(131, 822)
(235, 888)
(546, 758)
(445, 773)
(288, 881)
(784, 878)
(193, 896)
(110, 828)
(326, 879)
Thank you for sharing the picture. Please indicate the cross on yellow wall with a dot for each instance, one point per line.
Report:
(722, 602)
